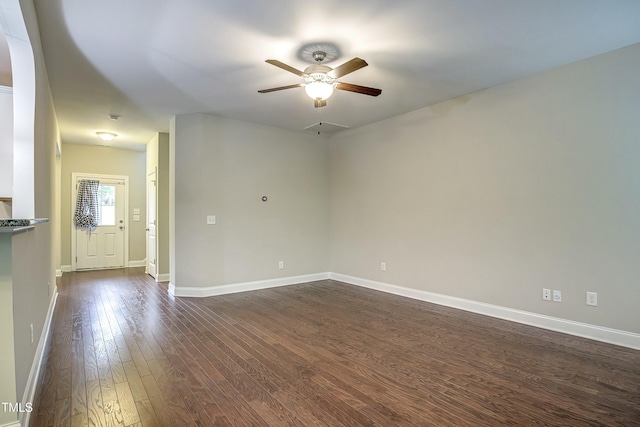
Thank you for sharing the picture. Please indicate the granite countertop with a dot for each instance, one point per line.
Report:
(11, 225)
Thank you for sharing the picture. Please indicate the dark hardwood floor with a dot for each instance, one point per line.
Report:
(124, 352)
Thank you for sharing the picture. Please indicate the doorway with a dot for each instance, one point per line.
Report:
(152, 248)
(106, 246)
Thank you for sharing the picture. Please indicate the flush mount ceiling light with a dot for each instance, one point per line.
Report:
(106, 136)
(320, 80)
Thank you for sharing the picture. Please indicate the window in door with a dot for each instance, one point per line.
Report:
(107, 204)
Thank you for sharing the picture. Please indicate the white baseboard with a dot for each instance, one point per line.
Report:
(34, 374)
(67, 268)
(165, 277)
(585, 330)
(244, 287)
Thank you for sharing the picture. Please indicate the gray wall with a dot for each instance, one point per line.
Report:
(223, 167)
(495, 195)
(163, 204)
(8, 392)
(33, 252)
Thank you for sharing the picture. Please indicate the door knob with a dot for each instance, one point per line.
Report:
(121, 227)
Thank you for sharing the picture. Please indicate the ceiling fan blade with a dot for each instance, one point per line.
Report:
(285, 67)
(347, 67)
(371, 91)
(319, 103)
(273, 89)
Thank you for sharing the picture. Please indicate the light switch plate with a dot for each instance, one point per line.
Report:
(136, 211)
(136, 217)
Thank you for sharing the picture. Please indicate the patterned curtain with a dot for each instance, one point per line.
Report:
(87, 215)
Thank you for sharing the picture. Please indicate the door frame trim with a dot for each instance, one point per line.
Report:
(74, 195)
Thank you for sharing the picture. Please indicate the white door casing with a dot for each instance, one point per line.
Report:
(151, 225)
(107, 246)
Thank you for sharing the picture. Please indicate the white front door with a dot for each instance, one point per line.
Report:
(151, 225)
(104, 247)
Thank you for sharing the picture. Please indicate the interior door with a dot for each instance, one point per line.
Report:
(104, 247)
(151, 225)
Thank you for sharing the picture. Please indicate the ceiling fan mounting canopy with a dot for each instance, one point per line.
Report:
(320, 80)
(331, 50)
(319, 55)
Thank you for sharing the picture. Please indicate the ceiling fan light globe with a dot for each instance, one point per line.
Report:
(318, 90)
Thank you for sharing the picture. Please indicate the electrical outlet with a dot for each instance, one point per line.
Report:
(557, 296)
(211, 219)
(383, 266)
(546, 294)
(592, 298)
(281, 265)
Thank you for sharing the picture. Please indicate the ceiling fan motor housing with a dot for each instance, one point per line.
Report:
(317, 69)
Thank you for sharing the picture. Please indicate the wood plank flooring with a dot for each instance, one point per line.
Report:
(126, 353)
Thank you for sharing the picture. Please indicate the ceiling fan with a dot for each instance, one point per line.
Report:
(320, 80)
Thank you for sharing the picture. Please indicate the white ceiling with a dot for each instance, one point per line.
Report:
(148, 60)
